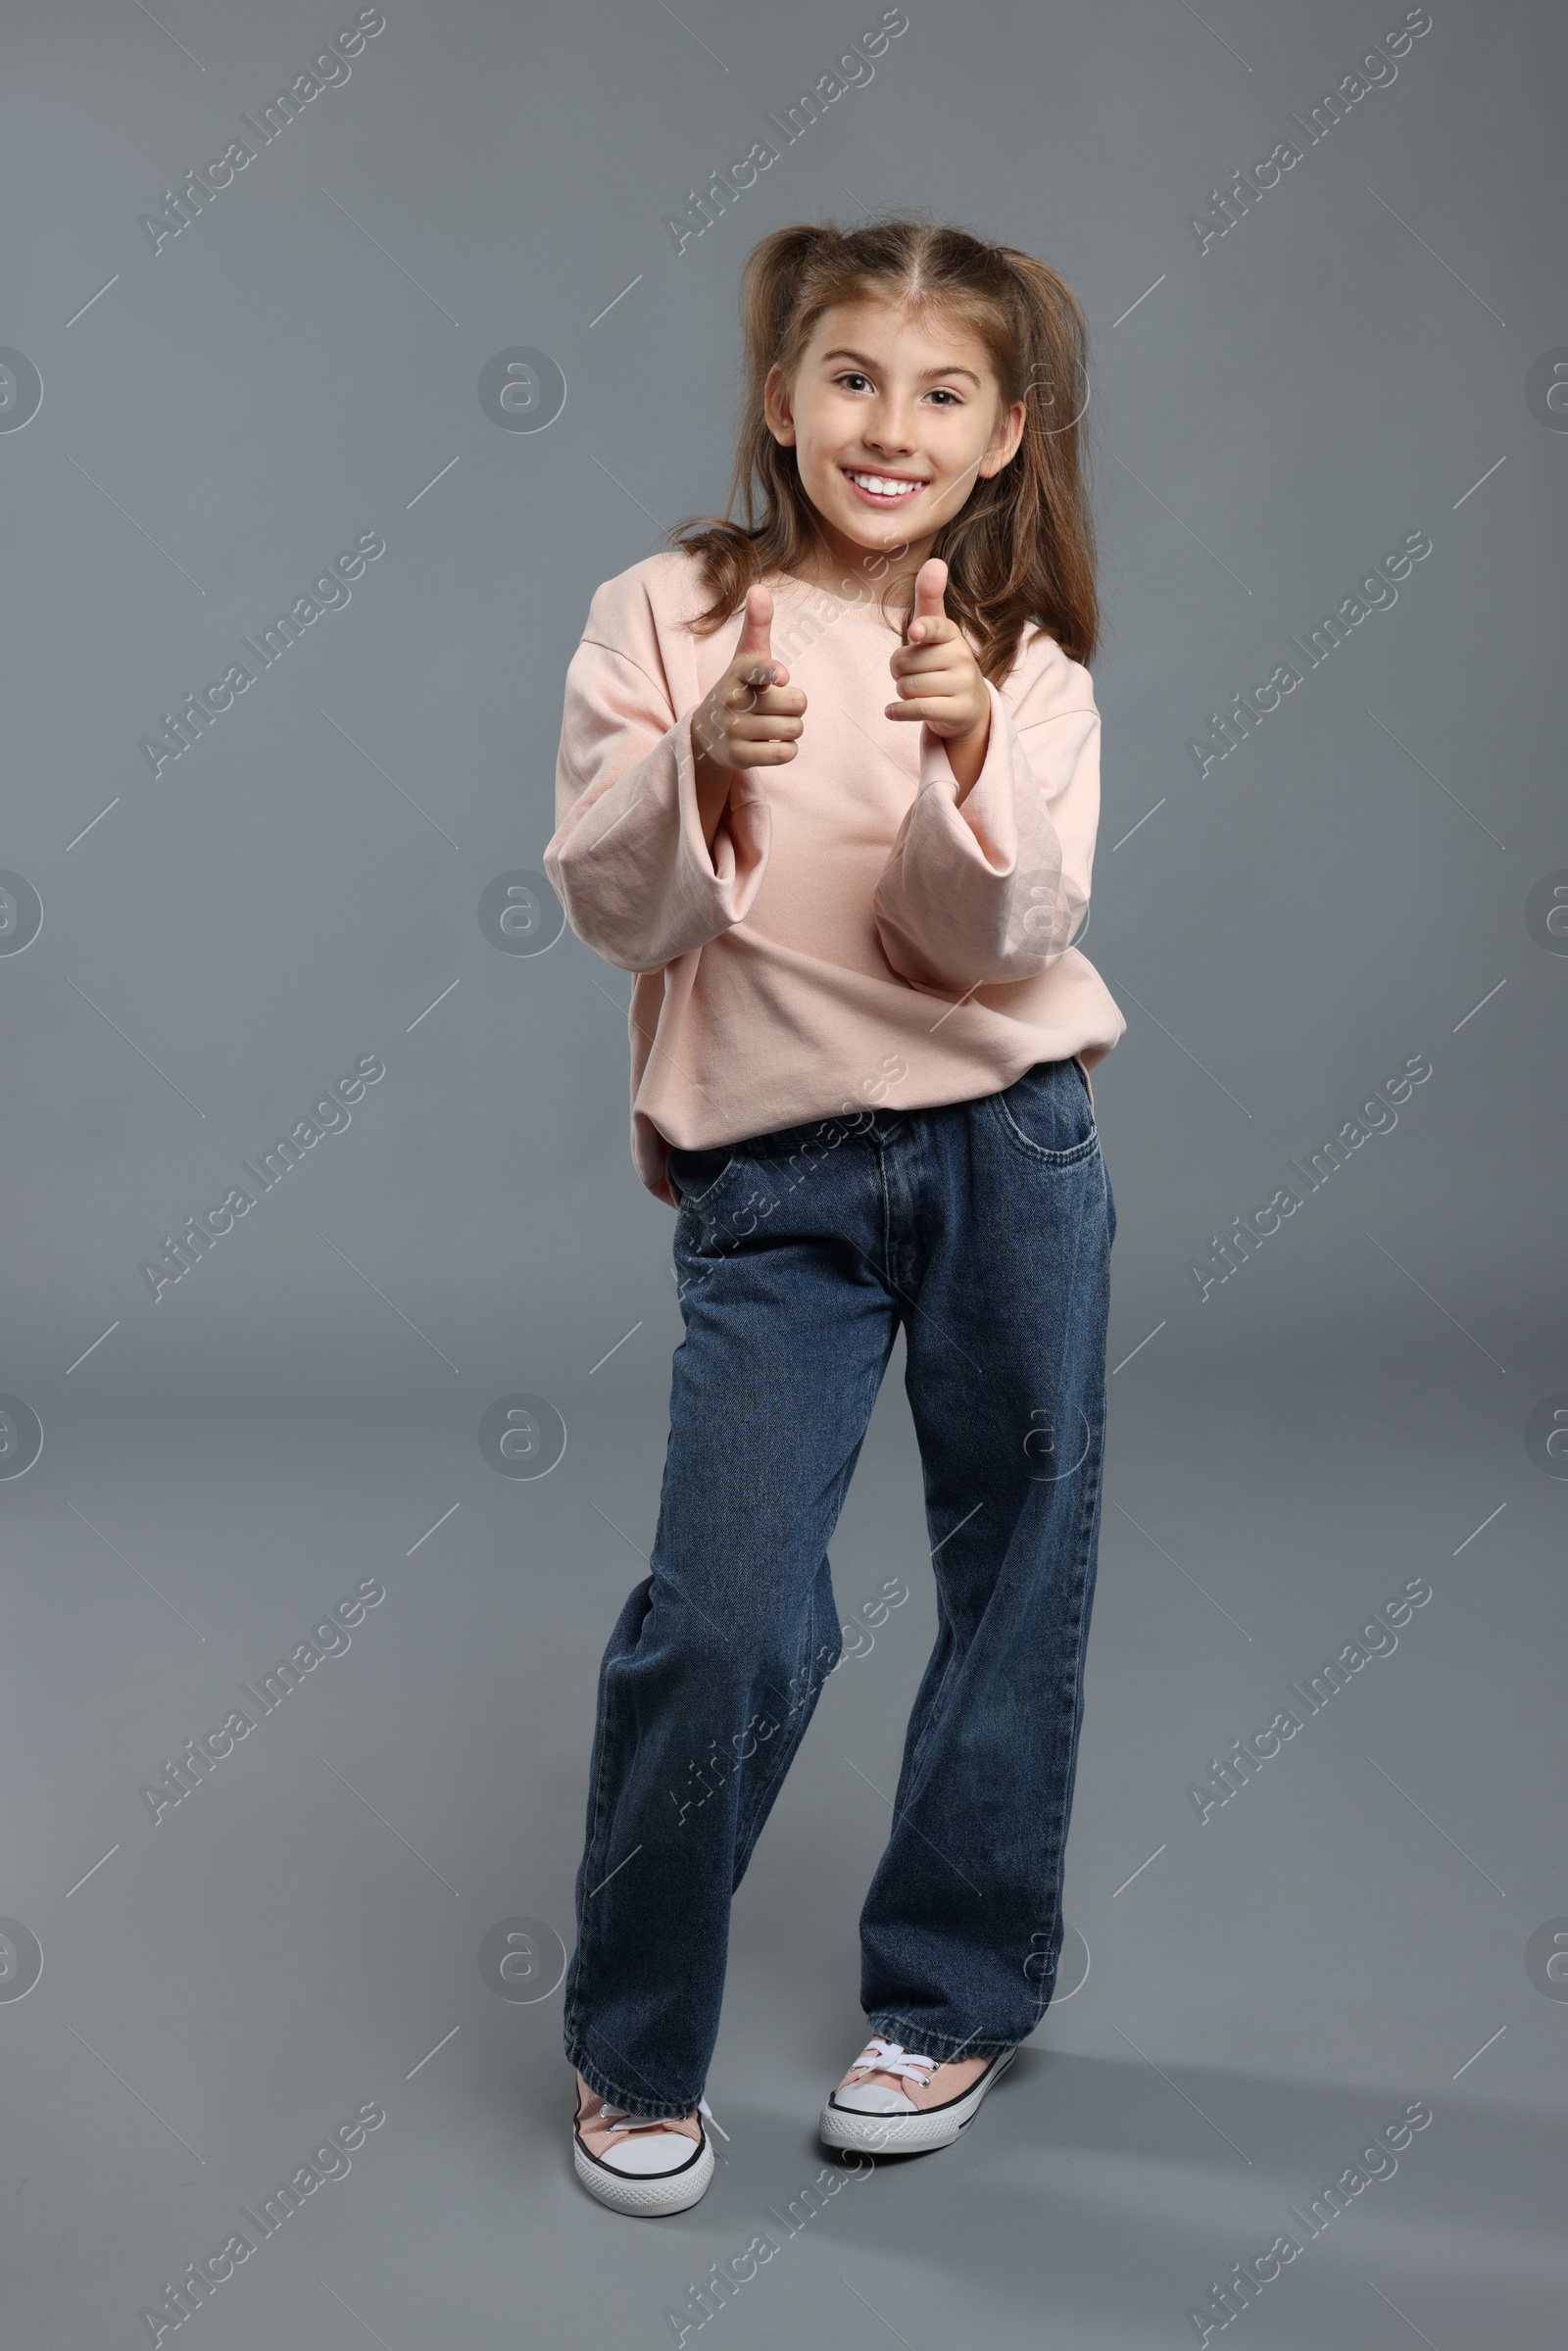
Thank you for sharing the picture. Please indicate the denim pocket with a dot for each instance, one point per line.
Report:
(1048, 1113)
(696, 1176)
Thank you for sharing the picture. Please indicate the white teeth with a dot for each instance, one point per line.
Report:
(883, 486)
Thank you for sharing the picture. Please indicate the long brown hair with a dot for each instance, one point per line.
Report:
(1021, 547)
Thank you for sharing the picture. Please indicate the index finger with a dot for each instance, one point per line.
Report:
(749, 670)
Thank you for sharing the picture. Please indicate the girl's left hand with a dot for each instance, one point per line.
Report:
(935, 672)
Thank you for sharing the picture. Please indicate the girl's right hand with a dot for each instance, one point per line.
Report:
(752, 717)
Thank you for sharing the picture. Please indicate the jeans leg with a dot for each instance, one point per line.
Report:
(715, 1666)
(1008, 1198)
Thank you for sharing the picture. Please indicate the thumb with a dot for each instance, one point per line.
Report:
(930, 581)
(756, 639)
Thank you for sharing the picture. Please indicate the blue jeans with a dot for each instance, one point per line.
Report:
(985, 1229)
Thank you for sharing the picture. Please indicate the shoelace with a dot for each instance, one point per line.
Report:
(613, 2119)
(889, 2057)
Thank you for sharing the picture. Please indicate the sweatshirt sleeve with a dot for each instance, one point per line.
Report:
(627, 859)
(993, 888)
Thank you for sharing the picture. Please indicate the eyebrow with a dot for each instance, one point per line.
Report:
(869, 366)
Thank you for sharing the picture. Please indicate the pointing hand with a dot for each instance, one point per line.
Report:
(936, 673)
(752, 717)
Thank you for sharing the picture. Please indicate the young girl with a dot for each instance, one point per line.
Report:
(860, 1039)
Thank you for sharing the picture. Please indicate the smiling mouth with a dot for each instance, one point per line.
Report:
(884, 489)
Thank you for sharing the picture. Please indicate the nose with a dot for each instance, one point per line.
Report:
(890, 429)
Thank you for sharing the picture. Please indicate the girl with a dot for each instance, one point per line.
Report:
(860, 1039)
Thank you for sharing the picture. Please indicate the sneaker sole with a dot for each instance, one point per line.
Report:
(646, 2196)
(908, 2134)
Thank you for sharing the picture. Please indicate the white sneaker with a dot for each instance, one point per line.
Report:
(643, 2164)
(893, 2101)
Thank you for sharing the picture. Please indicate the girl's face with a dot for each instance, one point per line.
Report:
(892, 421)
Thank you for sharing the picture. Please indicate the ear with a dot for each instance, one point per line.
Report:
(1002, 447)
(777, 412)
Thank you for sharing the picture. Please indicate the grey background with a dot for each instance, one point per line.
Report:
(1345, 1413)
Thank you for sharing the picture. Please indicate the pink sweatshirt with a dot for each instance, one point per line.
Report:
(856, 936)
